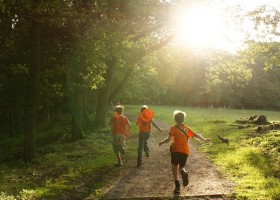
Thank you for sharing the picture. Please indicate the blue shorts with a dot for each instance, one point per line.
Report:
(178, 158)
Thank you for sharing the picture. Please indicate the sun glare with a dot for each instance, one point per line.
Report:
(199, 27)
(207, 26)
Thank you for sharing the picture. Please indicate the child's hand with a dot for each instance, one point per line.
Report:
(207, 140)
(160, 143)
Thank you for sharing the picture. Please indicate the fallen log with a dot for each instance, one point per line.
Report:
(224, 140)
(242, 121)
(242, 126)
(261, 120)
(264, 128)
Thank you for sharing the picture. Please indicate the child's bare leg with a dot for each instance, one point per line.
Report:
(184, 175)
(176, 179)
(119, 158)
(181, 168)
(175, 172)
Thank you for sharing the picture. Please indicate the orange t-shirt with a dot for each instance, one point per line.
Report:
(143, 126)
(119, 123)
(180, 140)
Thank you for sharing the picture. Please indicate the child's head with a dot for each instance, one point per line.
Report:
(119, 109)
(144, 107)
(179, 116)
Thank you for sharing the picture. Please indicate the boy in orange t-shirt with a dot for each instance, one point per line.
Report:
(120, 127)
(180, 149)
(144, 122)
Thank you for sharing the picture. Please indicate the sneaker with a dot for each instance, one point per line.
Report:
(147, 154)
(185, 178)
(177, 190)
(139, 163)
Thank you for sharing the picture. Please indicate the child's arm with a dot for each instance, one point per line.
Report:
(200, 137)
(138, 121)
(168, 139)
(156, 125)
(128, 126)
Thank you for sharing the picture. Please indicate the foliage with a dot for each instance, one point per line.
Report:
(225, 77)
(91, 51)
(266, 20)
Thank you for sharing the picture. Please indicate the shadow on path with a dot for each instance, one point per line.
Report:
(153, 180)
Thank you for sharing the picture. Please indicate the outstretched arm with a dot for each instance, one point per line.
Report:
(156, 125)
(200, 137)
(168, 139)
(128, 126)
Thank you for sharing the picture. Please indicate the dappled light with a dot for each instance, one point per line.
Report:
(89, 89)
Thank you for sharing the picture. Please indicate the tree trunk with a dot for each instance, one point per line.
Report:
(17, 117)
(13, 111)
(77, 132)
(102, 101)
(77, 111)
(33, 86)
(104, 98)
(12, 122)
(101, 108)
(121, 85)
(85, 112)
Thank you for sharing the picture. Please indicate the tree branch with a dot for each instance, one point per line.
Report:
(131, 69)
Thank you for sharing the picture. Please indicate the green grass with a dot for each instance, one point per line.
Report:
(251, 160)
(60, 162)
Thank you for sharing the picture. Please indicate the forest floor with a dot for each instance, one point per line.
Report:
(153, 179)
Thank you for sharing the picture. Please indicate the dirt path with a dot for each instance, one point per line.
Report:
(154, 180)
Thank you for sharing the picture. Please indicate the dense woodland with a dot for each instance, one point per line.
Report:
(81, 56)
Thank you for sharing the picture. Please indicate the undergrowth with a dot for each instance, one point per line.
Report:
(60, 164)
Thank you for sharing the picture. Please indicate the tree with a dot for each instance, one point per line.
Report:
(13, 70)
(263, 89)
(132, 40)
(225, 77)
(29, 18)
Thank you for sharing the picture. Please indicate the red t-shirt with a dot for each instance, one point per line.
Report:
(119, 123)
(143, 126)
(180, 140)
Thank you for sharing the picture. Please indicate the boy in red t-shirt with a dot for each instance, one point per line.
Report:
(144, 122)
(120, 127)
(180, 149)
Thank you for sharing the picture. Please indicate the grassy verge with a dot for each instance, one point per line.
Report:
(251, 160)
(61, 165)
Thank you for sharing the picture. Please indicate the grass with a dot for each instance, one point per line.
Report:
(251, 160)
(60, 164)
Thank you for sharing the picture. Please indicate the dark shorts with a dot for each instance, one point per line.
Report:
(179, 159)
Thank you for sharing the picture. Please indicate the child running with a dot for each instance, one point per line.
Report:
(179, 148)
(120, 127)
(144, 121)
